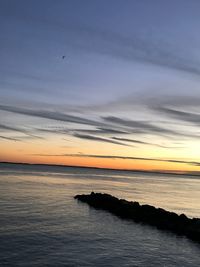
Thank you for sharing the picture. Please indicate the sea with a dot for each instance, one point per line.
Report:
(41, 224)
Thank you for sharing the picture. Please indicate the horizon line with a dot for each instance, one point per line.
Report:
(178, 172)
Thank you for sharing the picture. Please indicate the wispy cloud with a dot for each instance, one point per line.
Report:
(131, 47)
(130, 140)
(27, 134)
(144, 143)
(56, 116)
(102, 126)
(174, 100)
(180, 115)
(138, 126)
(80, 155)
(99, 139)
(4, 127)
(103, 131)
(135, 48)
(9, 138)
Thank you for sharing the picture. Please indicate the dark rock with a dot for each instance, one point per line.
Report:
(160, 218)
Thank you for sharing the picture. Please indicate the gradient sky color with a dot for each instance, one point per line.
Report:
(125, 95)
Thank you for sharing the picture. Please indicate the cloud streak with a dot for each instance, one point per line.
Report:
(4, 127)
(104, 131)
(105, 125)
(144, 143)
(99, 139)
(56, 116)
(130, 140)
(136, 49)
(80, 155)
(28, 134)
(180, 115)
(131, 47)
(9, 138)
(138, 126)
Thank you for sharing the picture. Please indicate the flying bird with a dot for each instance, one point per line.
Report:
(63, 57)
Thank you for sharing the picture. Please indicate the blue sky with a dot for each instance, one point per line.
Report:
(129, 66)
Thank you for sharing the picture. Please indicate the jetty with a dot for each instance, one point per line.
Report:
(145, 214)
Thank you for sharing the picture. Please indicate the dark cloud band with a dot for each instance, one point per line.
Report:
(193, 163)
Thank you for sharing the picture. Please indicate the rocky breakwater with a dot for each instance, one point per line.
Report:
(157, 217)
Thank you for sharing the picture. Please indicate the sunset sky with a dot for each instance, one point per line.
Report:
(112, 84)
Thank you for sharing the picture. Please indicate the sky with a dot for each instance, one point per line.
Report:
(111, 84)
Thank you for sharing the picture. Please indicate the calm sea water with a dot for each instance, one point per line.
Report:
(42, 225)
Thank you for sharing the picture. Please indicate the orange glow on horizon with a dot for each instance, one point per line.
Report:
(103, 163)
(42, 152)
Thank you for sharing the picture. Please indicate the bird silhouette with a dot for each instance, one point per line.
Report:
(63, 57)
